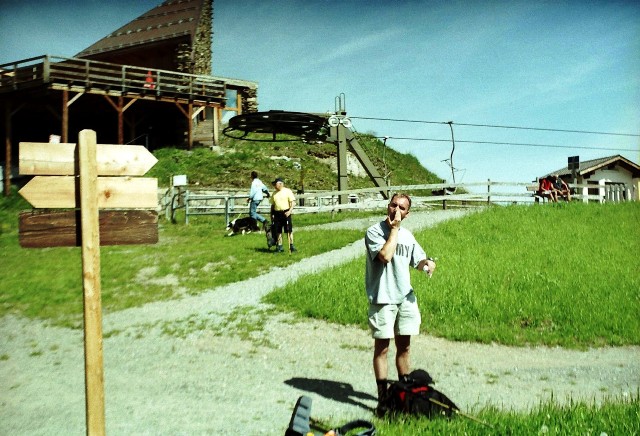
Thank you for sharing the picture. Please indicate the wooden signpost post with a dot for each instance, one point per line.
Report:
(56, 186)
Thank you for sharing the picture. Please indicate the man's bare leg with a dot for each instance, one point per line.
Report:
(403, 363)
(381, 371)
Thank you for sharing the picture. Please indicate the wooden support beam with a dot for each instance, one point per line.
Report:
(64, 129)
(217, 119)
(120, 108)
(128, 105)
(74, 98)
(66, 103)
(190, 127)
(7, 144)
(181, 109)
(197, 112)
(187, 114)
(239, 102)
(120, 120)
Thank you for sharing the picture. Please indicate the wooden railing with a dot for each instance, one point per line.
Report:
(106, 78)
(208, 202)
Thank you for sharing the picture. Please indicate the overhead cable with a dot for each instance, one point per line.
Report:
(507, 143)
(498, 126)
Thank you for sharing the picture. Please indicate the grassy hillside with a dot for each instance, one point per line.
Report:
(301, 165)
(536, 275)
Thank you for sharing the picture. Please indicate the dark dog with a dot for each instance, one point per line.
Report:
(271, 241)
(242, 225)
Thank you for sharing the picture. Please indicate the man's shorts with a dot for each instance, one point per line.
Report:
(388, 320)
(281, 222)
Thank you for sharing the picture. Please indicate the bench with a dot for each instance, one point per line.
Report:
(534, 193)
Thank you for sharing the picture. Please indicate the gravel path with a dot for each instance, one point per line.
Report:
(223, 363)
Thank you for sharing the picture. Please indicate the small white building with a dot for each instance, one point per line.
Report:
(613, 178)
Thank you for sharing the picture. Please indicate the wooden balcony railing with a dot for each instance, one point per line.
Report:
(112, 79)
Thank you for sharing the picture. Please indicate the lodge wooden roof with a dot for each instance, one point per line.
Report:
(170, 20)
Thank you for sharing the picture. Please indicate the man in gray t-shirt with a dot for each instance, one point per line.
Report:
(393, 308)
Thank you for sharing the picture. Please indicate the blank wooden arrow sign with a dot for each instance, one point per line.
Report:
(61, 228)
(113, 192)
(55, 186)
(40, 159)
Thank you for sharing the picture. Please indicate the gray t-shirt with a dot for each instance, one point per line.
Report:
(390, 283)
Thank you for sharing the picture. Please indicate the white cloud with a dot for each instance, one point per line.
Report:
(377, 40)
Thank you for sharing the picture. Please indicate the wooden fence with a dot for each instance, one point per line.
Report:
(105, 78)
(232, 204)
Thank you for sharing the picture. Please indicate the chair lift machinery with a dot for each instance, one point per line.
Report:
(335, 128)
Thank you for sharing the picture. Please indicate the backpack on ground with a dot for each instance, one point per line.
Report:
(415, 395)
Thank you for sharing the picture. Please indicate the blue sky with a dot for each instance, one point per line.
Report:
(557, 65)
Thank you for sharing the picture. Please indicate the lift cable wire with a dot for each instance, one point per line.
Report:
(509, 143)
(499, 127)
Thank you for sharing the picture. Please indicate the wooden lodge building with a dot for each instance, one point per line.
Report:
(148, 83)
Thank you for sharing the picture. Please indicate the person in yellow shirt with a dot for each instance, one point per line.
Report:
(282, 202)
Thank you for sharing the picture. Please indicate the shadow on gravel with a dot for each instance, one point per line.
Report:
(333, 390)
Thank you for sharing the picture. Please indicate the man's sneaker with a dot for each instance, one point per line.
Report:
(279, 249)
(292, 249)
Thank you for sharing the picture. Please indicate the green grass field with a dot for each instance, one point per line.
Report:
(47, 283)
(612, 418)
(567, 275)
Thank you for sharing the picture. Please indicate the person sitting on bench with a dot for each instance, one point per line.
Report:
(561, 188)
(546, 189)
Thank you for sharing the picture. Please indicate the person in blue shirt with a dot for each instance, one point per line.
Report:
(256, 194)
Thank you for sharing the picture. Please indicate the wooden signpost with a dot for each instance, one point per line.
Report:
(68, 177)
(55, 186)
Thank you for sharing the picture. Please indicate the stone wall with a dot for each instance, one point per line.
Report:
(202, 56)
(249, 99)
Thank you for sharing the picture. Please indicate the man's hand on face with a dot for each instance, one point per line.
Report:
(394, 218)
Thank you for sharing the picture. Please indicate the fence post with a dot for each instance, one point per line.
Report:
(87, 71)
(488, 191)
(46, 70)
(226, 209)
(186, 207)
